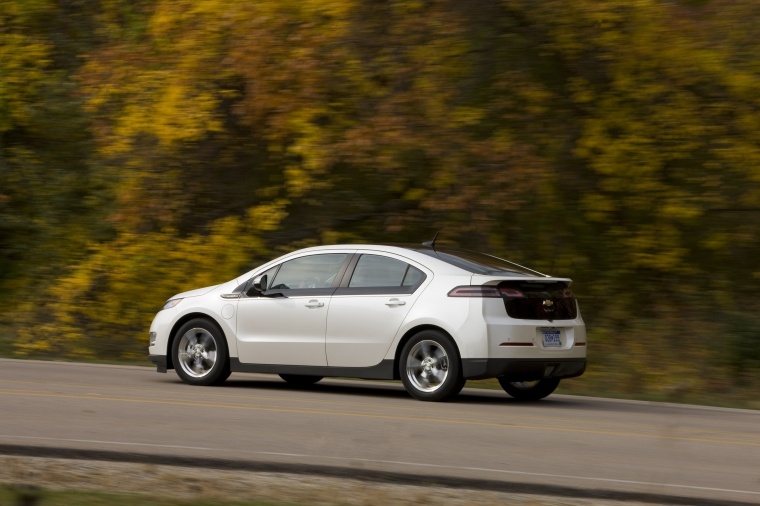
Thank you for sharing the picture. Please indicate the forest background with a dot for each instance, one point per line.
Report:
(148, 147)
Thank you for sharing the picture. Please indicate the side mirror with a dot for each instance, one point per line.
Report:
(259, 285)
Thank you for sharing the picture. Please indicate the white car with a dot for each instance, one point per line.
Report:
(428, 315)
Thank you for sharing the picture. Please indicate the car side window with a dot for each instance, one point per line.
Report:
(374, 271)
(269, 273)
(413, 276)
(313, 271)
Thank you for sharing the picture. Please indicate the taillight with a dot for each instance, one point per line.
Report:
(475, 291)
(510, 292)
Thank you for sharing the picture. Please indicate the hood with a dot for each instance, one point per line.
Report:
(194, 293)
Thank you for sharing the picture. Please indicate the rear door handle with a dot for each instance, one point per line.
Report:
(395, 302)
(315, 303)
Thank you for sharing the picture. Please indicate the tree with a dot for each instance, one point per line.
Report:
(615, 142)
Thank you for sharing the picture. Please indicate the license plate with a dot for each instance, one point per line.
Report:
(552, 337)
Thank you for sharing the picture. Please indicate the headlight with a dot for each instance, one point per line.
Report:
(171, 303)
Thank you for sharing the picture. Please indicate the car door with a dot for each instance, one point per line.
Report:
(368, 308)
(286, 323)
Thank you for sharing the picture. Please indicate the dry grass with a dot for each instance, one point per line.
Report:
(63, 482)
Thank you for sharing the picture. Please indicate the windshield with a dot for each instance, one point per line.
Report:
(479, 263)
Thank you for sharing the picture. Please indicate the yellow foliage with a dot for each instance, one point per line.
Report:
(23, 59)
(598, 207)
(613, 140)
(103, 306)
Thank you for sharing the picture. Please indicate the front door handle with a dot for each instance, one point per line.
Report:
(315, 303)
(395, 302)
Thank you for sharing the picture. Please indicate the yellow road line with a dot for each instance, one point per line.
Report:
(445, 409)
(469, 415)
(385, 417)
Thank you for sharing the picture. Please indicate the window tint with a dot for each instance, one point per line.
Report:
(377, 271)
(479, 263)
(269, 273)
(315, 271)
(413, 276)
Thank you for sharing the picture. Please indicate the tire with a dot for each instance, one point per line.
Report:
(429, 367)
(529, 390)
(199, 353)
(300, 380)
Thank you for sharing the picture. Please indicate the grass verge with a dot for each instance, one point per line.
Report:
(12, 495)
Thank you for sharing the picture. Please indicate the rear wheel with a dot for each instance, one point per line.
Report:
(300, 380)
(430, 368)
(529, 390)
(199, 353)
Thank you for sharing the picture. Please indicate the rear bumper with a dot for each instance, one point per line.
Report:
(523, 369)
(160, 361)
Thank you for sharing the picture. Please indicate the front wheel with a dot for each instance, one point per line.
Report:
(529, 390)
(430, 368)
(199, 353)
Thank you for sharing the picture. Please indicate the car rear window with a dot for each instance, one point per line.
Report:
(479, 263)
(380, 271)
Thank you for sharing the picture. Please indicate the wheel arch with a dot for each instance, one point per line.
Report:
(184, 319)
(411, 333)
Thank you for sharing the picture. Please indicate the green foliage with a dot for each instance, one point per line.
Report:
(615, 142)
(49, 198)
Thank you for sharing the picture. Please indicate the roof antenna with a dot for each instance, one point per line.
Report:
(432, 243)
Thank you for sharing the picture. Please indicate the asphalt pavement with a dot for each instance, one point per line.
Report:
(590, 447)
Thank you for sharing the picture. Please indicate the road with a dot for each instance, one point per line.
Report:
(599, 446)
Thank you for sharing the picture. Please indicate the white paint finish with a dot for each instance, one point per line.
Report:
(228, 311)
(360, 328)
(280, 330)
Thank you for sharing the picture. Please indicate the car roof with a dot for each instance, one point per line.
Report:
(409, 252)
(444, 259)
